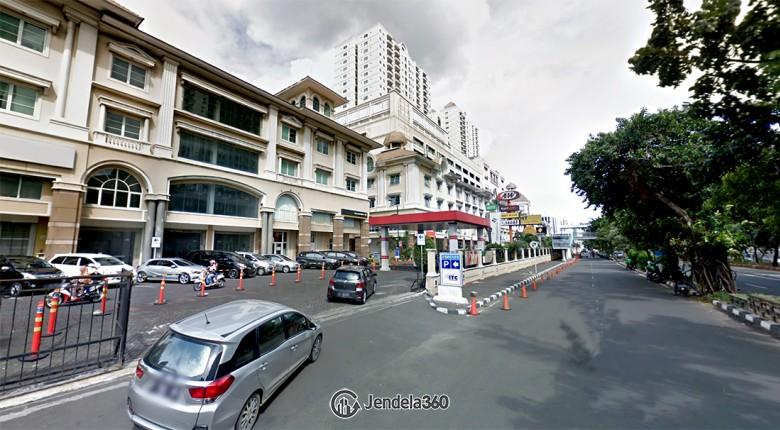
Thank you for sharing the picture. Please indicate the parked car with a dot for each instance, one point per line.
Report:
(353, 283)
(362, 261)
(314, 260)
(215, 369)
(27, 273)
(260, 263)
(171, 268)
(70, 265)
(342, 257)
(282, 262)
(227, 261)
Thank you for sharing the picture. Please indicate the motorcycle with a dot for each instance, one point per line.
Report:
(216, 281)
(653, 273)
(684, 286)
(73, 292)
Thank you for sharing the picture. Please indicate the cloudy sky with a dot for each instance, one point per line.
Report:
(536, 76)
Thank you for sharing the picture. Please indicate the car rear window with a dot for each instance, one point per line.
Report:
(346, 276)
(108, 261)
(183, 263)
(22, 263)
(182, 356)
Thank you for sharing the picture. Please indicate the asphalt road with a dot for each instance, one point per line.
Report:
(596, 347)
(758, 281)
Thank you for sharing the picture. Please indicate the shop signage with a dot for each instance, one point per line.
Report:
(531, 219)
(356, 214)
(510, 215)
(561, 241)
(508, 195)
(509, 208)
(491, 207)
(510, 222)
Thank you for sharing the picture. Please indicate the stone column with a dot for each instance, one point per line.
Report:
(384, 256)
(146, 247)
(363, 243)
(381, 195)
(159, 224)
(452, 234)
(364, 172)
(164, 139)
(270, 152)
(338, 233)
(64, 73)
(304, 231)
(258, 242)
(64, 221)
(506, 255)
(266, 240)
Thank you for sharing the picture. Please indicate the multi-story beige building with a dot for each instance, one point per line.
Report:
(111, 138)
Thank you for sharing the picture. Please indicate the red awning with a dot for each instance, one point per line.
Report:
(429, 220)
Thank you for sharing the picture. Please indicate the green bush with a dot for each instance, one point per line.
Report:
(640, 258)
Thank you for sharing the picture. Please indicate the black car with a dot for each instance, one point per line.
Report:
(352, 283)
(362, 261)
(314, 260)
(341, 257)
(228, 262)
(27, 273)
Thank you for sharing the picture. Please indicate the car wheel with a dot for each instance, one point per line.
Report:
(184, 278)
(373, 290)
(141, 277)
(365, 297)
(233, 273)
(15, 290)
(286, 269)
(248, 415)
(316, 348)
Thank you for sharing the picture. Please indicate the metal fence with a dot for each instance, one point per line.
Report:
(43, 339)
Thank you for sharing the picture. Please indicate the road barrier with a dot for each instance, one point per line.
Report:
(273, 277)
(240, 281)
(161, 297)
(103, 301)
(35, 346)
(51, 329)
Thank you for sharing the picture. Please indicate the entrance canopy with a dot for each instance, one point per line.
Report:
(429, 220)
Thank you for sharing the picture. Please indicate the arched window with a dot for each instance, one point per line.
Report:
(302, 101)
(326, 109)
(370, 164)
(286, 209)
(315, 104)
(113, 187)
(292, 102)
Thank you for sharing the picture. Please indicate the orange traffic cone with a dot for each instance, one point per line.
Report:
(533, 286)
(322, 272)
(473, 309)
(273, 277)
(161, 297)
(203, 292)
(103, 300)
(298, 275)
(506, 307)
(523, 292)
(240, 281)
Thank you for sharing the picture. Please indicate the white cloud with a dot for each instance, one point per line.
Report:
(537, 77)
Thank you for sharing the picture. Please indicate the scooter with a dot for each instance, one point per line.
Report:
(216, 281)
(66, 293)
(653, 273)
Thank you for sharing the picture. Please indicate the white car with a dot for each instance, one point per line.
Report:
(70, 264)
(262, 265)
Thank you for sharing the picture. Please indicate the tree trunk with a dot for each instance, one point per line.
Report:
(755, 254)
(711, 270)
(774, 259)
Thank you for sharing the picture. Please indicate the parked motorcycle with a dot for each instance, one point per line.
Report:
(73, 292)
(215, 281)
(653, 273)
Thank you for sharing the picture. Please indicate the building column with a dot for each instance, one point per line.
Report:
(79, 92)
(270, 152)
(64, 221)
(338, 171)
(266, 240)
(64, 73)
(146, 247)
(364, 172)
(362, 248)
(159, 224)
(480, 244)
(304, 231)
(308, 169)
(452, 234)
(381, 195)
(383, 255)
(209, 245)
(258, 242)
(164, 143)
(338, 233)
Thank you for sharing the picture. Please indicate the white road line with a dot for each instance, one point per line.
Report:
(755, 285)
(36, 408)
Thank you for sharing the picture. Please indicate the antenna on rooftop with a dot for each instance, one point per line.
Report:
(207, 317)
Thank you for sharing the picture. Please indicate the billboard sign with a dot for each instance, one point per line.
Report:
(491, 207)
(509, 208)
(451, 268)
(532, 220)
(510, 222)
(495, 227)
(562, 241)
(508, 195)
(509, 215)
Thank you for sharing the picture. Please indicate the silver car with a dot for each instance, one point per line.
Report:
(262, 265)
(174, 269)
(215, 369)
(282, 262)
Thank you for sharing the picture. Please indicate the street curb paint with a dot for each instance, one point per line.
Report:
(748, 318)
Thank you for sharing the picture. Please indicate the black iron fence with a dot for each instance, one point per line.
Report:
(48, 333)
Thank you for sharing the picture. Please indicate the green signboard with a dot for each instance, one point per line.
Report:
(491, 207)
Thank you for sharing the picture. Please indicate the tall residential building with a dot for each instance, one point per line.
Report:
(373, 64)
(112, 140)
(462, 135)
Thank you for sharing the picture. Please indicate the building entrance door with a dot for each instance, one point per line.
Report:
(280, 242)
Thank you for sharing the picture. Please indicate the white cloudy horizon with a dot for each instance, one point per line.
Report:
(536, 80)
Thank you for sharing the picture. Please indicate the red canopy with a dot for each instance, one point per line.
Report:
(430, 220)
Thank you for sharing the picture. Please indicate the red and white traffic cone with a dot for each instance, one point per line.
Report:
(322, 272)
(298, 275)
(533, 286)
(273, 277)
(161, 297)
(52, 327)
(203, 292)
(35, 346)
(240, 281)
(473, 309)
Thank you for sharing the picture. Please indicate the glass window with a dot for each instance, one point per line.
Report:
(322, 177)
(286, 209)
(371, 202)
(233, 241)
(302, 101)
(113, 187)
(213, 151)
(370, 183)
(186, 357)
(246, 351)
(427, 181)
(212, 199)
(351, 184)
(22, 33)
(395, 179)
(295, 324)
(221, 109)
(394, 200)
(323, 146)
(288, 167)
(288, 133)
(128, 73)
(370, 164)
(122, 125)
(315, 104)
(351, 157)
(327, 110)
(21, 187)
(18, 98)
(271, 335)
(321, 218)
(427, 201)
(16, 238)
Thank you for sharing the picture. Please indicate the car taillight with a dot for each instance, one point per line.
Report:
(213, 390)
(332, 283)
(139, 372)
(360, 286)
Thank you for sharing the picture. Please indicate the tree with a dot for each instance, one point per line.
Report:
(652, 177)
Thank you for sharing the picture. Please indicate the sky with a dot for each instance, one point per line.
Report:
(536, 76)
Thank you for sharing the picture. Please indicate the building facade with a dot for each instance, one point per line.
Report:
(462, 135)
(110, 137)
(373, 64)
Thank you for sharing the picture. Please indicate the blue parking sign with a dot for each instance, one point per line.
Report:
(451, 268)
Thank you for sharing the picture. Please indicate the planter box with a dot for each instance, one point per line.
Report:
(765, 306)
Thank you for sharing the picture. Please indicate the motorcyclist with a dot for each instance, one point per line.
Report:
(629, 263)
(212, 272)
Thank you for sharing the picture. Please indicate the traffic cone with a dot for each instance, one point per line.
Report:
(533, 286)
(523, 292)
(240, 281)
(322, 272)
(161, 298)
(35, 346)
(273, 277)
(203, 292)
(473, 310)
(52, 327)
(298, 275)
(506, 307)
(102, 312)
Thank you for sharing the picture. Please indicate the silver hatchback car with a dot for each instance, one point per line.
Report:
(214, 370)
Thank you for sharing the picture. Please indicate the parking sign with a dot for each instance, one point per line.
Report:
(451, 268)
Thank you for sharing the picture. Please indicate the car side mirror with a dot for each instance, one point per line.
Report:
(5, 268)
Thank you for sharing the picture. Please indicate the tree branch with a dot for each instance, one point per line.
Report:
(736, 60)
(677, 209)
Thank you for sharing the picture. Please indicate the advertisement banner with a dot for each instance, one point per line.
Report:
(509, 208)
(531, 219)
(562, 241)
(510, 215)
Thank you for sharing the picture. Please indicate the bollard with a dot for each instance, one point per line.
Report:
(273, 277)
(35, 346)
(240, 281)
(523, 292)
(298, 275)
(52, 327)
(473, 310)
(161, 298)
(102, 312)
(533, 286)
(203, 292)
(505, 306)
(322, 272)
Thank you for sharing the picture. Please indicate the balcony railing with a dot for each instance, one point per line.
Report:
(121, 143)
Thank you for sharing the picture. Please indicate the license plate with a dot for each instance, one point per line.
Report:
(343, 295)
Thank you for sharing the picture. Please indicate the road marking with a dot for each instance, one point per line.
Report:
(755, 285)
(36, 408)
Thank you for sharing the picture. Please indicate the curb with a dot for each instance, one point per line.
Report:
(750, 319)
